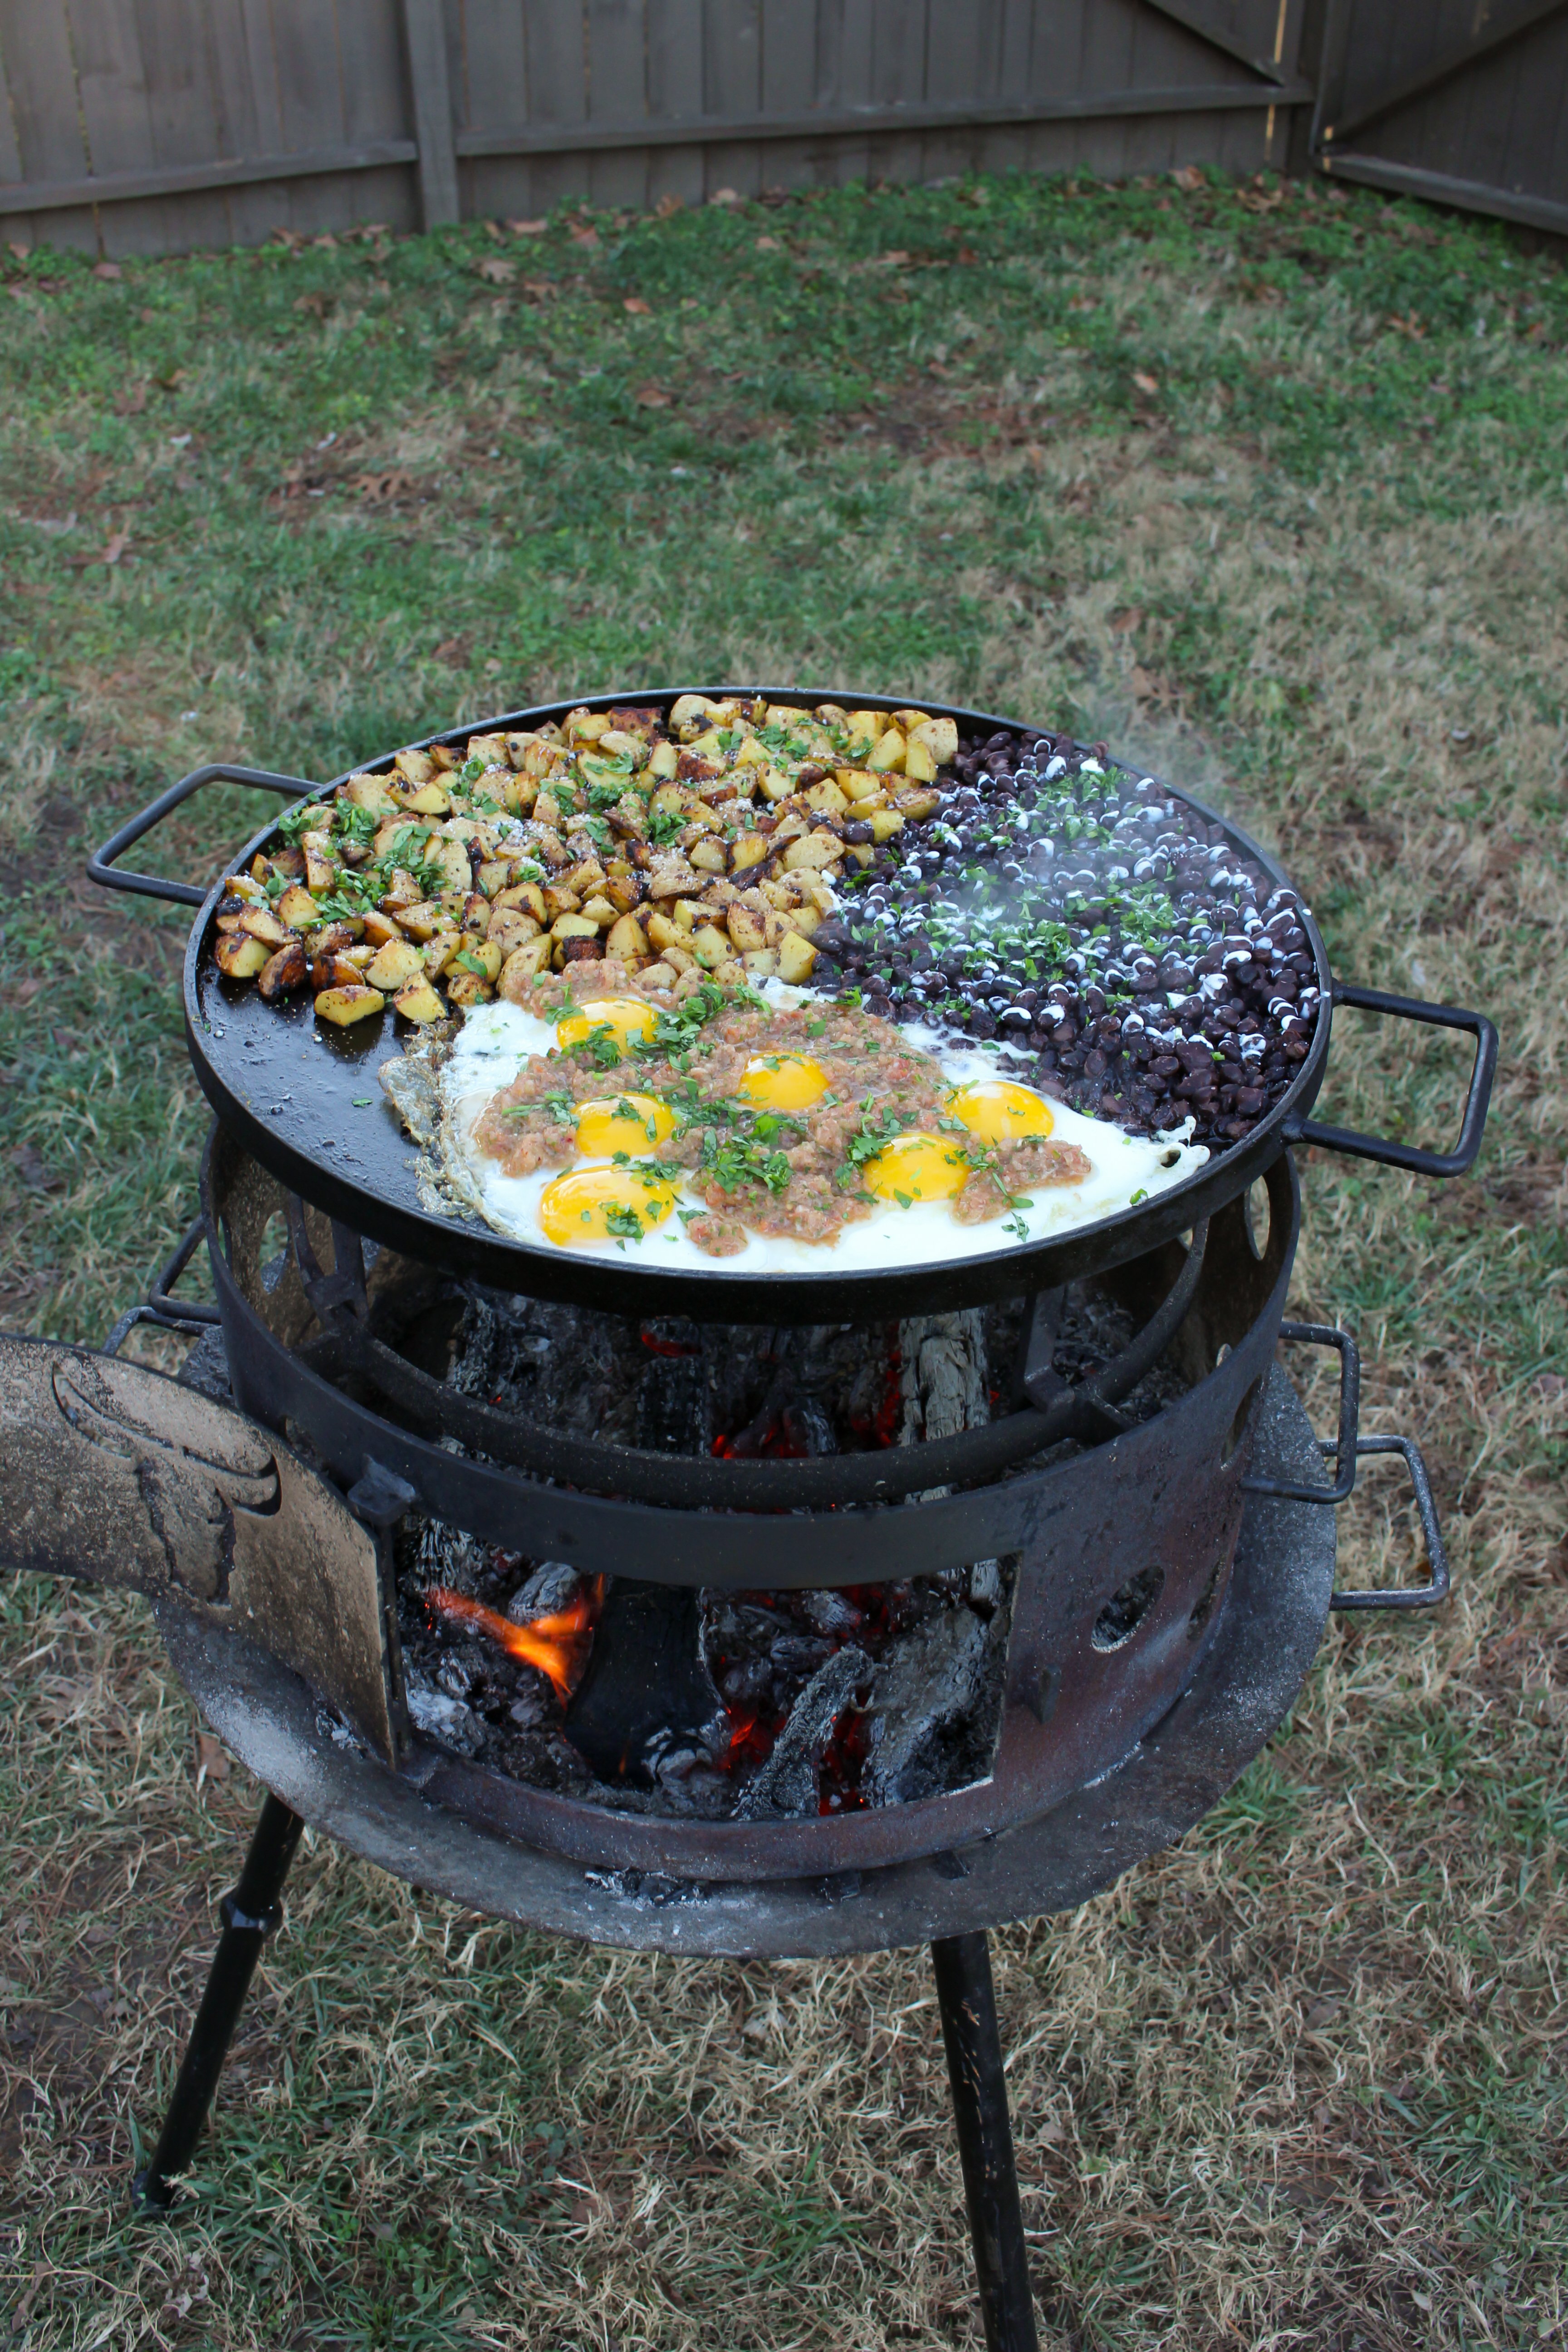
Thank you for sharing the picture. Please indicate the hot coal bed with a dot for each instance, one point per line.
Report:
(776, 1617)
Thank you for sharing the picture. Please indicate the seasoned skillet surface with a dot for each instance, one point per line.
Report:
(1128, 952)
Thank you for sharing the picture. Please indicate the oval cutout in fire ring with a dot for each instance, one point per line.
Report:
(1127, 1608)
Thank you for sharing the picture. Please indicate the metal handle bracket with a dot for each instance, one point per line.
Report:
(1415, 1596)
(1345, 1448)
(1477, 1096)
(102, 868)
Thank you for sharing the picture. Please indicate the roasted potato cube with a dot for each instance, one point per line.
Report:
(476, 913)
(321, 873)
(417, 1001)
(747, 930)
(759, 963)
(491, 877)
(796, 957)
(940, 737)
(262, 924)
(625, 891)
(920, 803)
(450, 859)
(379, 929)
(512, 927)
(749, 849)
(393, 965)
(662, 930)
(588, 875)
(825, 799)
(709, 856)
(464, 987)
(350, 1002)
(805, 918)
(423, 800)
(493, 749)
(296, 908)
(439, 951)
(688, 914)
(859, 852)
(486, 954)
(663, 759)
(626, 939)
(680, 958)
(862, 726)
(574, 927)
(818, 849)
(240, 957)
(370, 792)
(600, 911)
(711, 946)
(887, 752)
(920, 761)
(286, 970)
(423, 918)
(858, 785)
(752, 754)
(442, 759)
(523, 962)
(909, 719)
(528, 896)
(885, 823)
(415, 767)
(774, 785)
(585, 726)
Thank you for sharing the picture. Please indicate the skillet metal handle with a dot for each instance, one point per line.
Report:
(1477, 1099)
(1415, 1596)
(190, 1315)
(100, 865)
(1347, 1444)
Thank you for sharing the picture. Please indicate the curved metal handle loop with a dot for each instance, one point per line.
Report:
(192, 1316)
(1416, 1596)
(1346, 1445)
(100, 865)
(1477, 1097)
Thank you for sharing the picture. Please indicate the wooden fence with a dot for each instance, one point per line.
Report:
(156, 126)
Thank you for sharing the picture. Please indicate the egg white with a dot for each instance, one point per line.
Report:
(497, 1039)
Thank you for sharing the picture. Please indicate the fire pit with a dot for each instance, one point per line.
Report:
(720, 1613)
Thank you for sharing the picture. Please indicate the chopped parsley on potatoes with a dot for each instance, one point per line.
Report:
(706, 840)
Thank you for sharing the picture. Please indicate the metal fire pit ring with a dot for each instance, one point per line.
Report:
(1269, 1629)
(354, 1162)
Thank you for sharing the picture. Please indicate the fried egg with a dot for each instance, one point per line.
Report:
(589, 1208)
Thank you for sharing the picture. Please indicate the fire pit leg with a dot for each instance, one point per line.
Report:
(968, 2003)
(250, 1914)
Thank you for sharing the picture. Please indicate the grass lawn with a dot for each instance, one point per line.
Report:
(1266, 488)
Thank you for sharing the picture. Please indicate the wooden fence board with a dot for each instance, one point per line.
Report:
(675, 94)
(36, 45)
(557, 92)
(732, 89)
(789, 87)
(618, 92)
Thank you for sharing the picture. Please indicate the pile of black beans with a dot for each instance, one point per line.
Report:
(1128, 959)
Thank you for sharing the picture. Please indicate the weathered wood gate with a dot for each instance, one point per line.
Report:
(1464, 100)
(159, 125)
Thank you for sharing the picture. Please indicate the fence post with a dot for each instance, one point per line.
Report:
(426, 36)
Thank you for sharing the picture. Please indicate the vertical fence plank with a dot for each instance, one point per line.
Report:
(557, 91)
(844, 77)
(495, 97)
(789, 87)
(963, 60)
(34, 43)
(897, 78)
(674, 92)
(618, 92)
(179, 102)
(732, 87)
(430, 90)
(245, 84)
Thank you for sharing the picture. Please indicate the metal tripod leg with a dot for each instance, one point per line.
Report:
(968, 2003)
(250, 1914)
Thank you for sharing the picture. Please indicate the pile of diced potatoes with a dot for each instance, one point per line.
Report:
(718, 856)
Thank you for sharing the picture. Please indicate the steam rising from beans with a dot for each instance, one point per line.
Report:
(1121, 951)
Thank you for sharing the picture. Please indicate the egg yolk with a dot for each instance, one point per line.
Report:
(784, 1081)
(916, 1168)
(999, 1111)
(596, 1204)
(629, 1123)
(626, 1018)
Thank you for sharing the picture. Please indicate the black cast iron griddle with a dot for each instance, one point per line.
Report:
(305, 1100)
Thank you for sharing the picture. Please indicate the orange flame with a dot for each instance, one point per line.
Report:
(559, 1646)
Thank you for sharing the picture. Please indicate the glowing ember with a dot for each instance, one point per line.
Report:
(559, 1646)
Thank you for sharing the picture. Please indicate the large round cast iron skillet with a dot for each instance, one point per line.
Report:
(306, 1103)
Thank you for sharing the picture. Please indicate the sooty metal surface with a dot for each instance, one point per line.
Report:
(1266, 1638)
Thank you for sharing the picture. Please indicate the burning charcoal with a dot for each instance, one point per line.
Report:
(553, 1586)
(831, 1612)
(787, 1783)
(985, 1586)
(535, 1707)
(673, 1412)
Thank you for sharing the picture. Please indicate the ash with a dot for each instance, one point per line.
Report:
(750, 1705)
